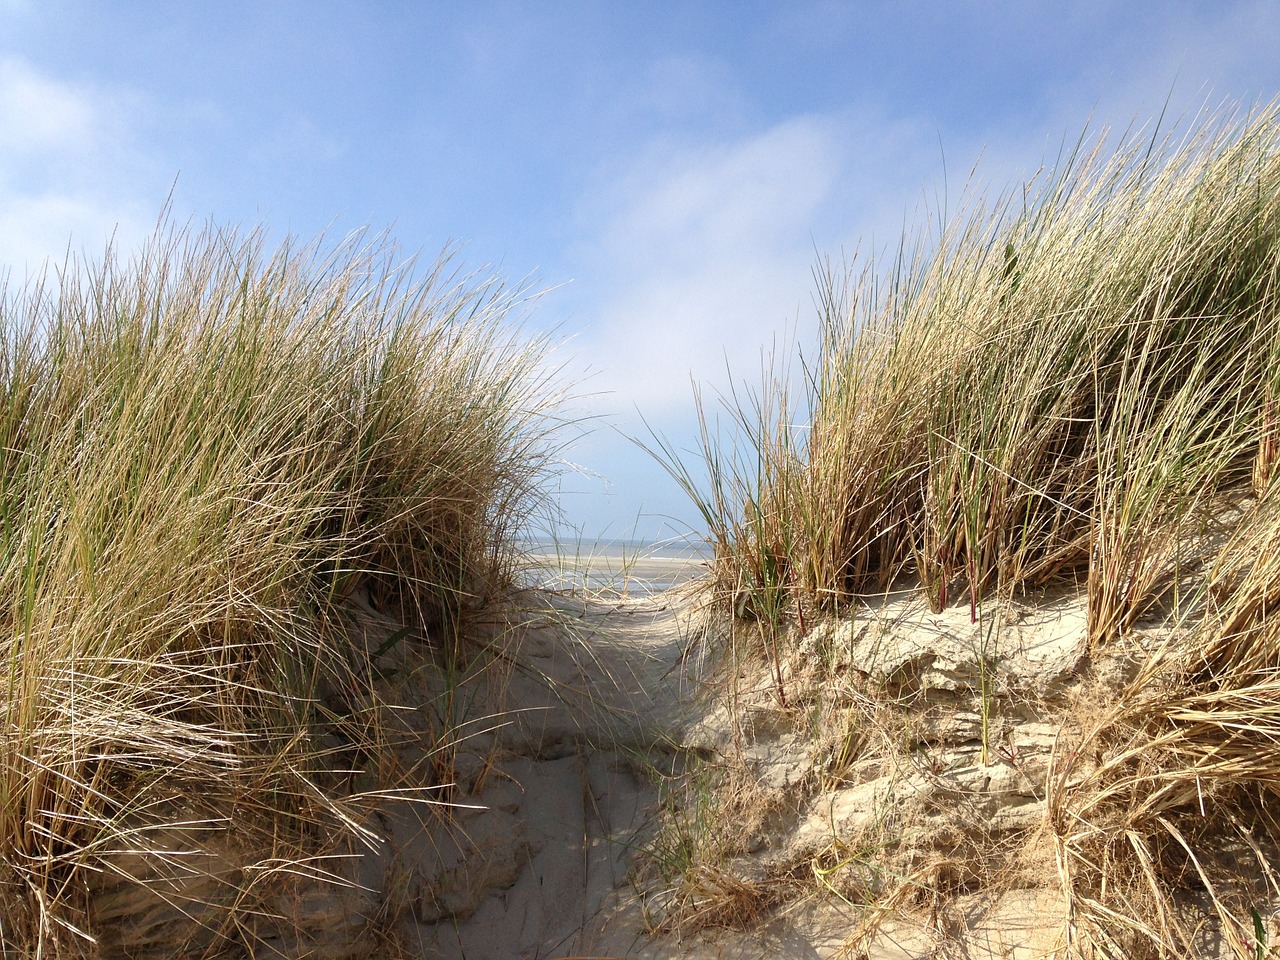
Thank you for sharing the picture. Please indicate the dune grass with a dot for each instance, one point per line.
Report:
(1019, 396)
(206, 450)
(1074, 386)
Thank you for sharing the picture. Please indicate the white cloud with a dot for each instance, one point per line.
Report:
(700, 250)
(694, 202)
(38, 114)
(701, 255)
(67, 180)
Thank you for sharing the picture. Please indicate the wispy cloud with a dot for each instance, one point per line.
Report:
(38, 114)
(64, 174)
(703, 250)
(700, 255)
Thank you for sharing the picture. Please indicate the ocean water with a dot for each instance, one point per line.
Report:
(624, 566)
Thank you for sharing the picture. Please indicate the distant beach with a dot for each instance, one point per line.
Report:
(633, 567)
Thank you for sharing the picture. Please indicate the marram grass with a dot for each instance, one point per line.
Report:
(203, 451)
(1055, 387)
(1073, 388)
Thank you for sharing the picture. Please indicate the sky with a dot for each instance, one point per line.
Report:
(669, 173)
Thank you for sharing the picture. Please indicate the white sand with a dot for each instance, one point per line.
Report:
(577, 781)
(556, 791)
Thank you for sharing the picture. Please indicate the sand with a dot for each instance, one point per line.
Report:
(598, 705)
(603, 710)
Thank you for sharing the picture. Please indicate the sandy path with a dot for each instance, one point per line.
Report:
(602, 700)
(596, 693)
(588, 705)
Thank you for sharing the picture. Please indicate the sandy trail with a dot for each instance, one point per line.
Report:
(603, 701)
(596, 693)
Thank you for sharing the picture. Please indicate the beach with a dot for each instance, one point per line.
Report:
(613, 566)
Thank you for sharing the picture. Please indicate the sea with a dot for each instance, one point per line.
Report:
(625, 567)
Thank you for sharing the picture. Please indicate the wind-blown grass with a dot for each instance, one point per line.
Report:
(205, 450)
(1052, 388)
(1074, 386)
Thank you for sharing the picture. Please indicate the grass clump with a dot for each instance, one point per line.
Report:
(1055, 386)
(1070, 389)
(208, 451)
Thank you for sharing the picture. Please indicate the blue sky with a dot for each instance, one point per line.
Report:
(668, 170)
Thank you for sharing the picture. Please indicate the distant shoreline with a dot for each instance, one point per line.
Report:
(622, 566)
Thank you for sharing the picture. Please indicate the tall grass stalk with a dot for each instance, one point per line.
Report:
(206, 449)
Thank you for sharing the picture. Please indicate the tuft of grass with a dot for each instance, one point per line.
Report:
(1057, 386)
(1072, 387)
(710, 814)
(207, 451)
